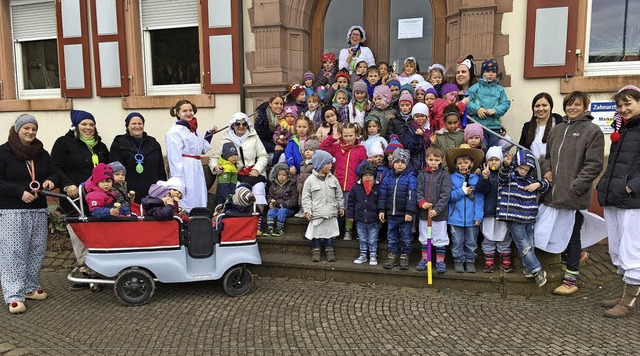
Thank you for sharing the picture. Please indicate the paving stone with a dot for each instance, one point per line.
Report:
(18, 352)
(57, 262)
(5, 347)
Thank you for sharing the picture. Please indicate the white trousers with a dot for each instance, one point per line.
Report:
(624, 243)
(439, 237)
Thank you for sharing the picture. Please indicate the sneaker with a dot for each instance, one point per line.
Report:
(360, 260)
(269, 231)
(392, 261)
(470, 267)
(277, 232)
(541, 278)
(373, 261)
(422, 265)
(441, 267)
(404, 261)
(300, 214)
(527, 274)
(347, 235)
(458, 267)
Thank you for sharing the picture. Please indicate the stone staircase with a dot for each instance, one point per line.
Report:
(289, 256)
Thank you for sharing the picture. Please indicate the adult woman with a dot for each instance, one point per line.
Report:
(140, 154)
(77, 152)
(25, 168)
(355, 52)
(253, 158)
(574, 159)
(269, 115)
(535, 132)
(184, 147)
(617, 193)
(465, 77)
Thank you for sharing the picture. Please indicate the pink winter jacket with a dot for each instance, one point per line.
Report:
(347, 160)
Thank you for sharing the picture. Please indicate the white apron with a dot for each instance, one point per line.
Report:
(554, 227)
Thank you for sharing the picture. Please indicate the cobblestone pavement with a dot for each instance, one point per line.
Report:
(298, 317)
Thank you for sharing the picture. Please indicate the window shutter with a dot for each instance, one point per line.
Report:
(107, 34)
(36, 21)
(162, 14)
(551, 36)
(220, 42)
(73, 48)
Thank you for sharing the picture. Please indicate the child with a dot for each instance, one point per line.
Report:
(282, 198)
(308, 80)
(315, 112)
(397, 203)
(228, 179)
(437, 77)
(293, 152)
(298, 97)
(488, 101)
(327, 75)
(123, 196)
(449, 96)
(417, 138)
(355, 111)
(360, 73)
(284, 131)
(394, 144)
(322, 202)
(306, 167)
(518, 206)
(434, 191)
(398, 125)
(349, 154)
(383, 109)
(101, 198)
(371, 135)
(342, 82)
(409, 67)
(466, 206)
(493, 230)
(385, 74)
(176, 188)
(394, 86)
(362, 208)
(372, 79)
(159, 203)
(421, 91)
(375, 155)
(330, 124)
(450, 135)
(473, 136)
(430, 97)
(340, 100)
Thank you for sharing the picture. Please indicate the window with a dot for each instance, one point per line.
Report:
(415, 45)
(613, 37)
(340, 16)
(33, 26)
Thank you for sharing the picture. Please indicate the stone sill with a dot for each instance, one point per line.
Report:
(55, 104)
(167, 101)
(600, 84)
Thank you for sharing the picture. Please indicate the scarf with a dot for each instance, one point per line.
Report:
(368, 186)
(360, 105)
(24, 153)
(346, 148)
(237, 140)
(90, 142)
(273, 119)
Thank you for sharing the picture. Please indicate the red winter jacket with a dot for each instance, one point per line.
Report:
(347, 160)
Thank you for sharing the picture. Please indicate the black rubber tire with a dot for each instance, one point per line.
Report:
(237, 281)
(134, 287)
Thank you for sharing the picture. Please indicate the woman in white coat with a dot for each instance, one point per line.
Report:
(355, 52)
(184, 148)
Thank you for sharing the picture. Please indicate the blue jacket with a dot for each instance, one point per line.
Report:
(398, 193)
(464, 211)
(417, 147)
(489, 188)
(292, 153)
(362, 207)
(489, 96)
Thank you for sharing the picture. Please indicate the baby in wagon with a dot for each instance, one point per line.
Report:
(101, 197)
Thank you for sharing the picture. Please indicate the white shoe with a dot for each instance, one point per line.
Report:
(300, 214)
(360, 260)
(373, 261)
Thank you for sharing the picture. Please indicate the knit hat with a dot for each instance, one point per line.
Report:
(174, 183)
(24, 119)
(364, 34)
(383, 92)
(368, 167)
(243, 197)
(408, 88)
(325, 109)
(320, 159)
(395, 82)
(344, 74)
(424, 86)
(78, 115)
(405, 97)
(117, 167)
(473, 130)
(448, 88)
(131, 116)
(158, 191)
(101, 172)
(524, 157)
(400, 155)
(307, 75)
(296, 90)
(311, 145)
(394, 143)
(431, 90)
(291, 110)
(494, 151)
(359, 85)
(464, 150)
(376, 149)
(228, 150)
(420, 108)
(489, 65)
(329, 56)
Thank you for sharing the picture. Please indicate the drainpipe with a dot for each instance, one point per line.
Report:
(241, 59)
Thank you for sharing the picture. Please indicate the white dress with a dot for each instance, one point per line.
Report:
(180, 140)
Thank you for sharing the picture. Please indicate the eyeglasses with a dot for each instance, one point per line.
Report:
(243, 123)
(355, 34)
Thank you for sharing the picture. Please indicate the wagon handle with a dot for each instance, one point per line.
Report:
(68, 198)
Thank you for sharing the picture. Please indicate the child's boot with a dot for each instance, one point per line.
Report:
(315, 254)
(470, 266)
(331, 254)
(505, 262)
(489, 262)
(270, 228)
(373, 259)
(404, 261)
(568, 285)
(627, 303)
(458, 266)
(392, 261)
(441, 266)
(422, 265)
(279, 229)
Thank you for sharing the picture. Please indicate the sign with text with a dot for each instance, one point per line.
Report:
(410, 28)
(603, 113)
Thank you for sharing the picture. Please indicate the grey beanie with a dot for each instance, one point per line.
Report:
(320, 159)
(24, 119)
(118, 167)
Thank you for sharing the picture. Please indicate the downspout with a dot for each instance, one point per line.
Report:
(241, 59)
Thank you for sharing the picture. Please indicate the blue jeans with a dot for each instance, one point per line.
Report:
(280, 213)
(317, 243)
(399, 233)
(464, 243)
(368, 235)
(522, 235)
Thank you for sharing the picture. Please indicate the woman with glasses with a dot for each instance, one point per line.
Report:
(185, 145)
(355, 52)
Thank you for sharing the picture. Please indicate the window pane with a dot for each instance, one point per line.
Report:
(175, 56)
(414, 47)
(607, 42)
(341, 15)
(40, 64)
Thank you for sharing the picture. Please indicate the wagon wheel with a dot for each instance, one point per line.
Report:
(237, 281)
(134, 287)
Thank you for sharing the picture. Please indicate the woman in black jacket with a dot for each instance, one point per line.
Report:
(619, 194)
(25, 169)
(535, 132)
(140, 154)
(269, 115)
